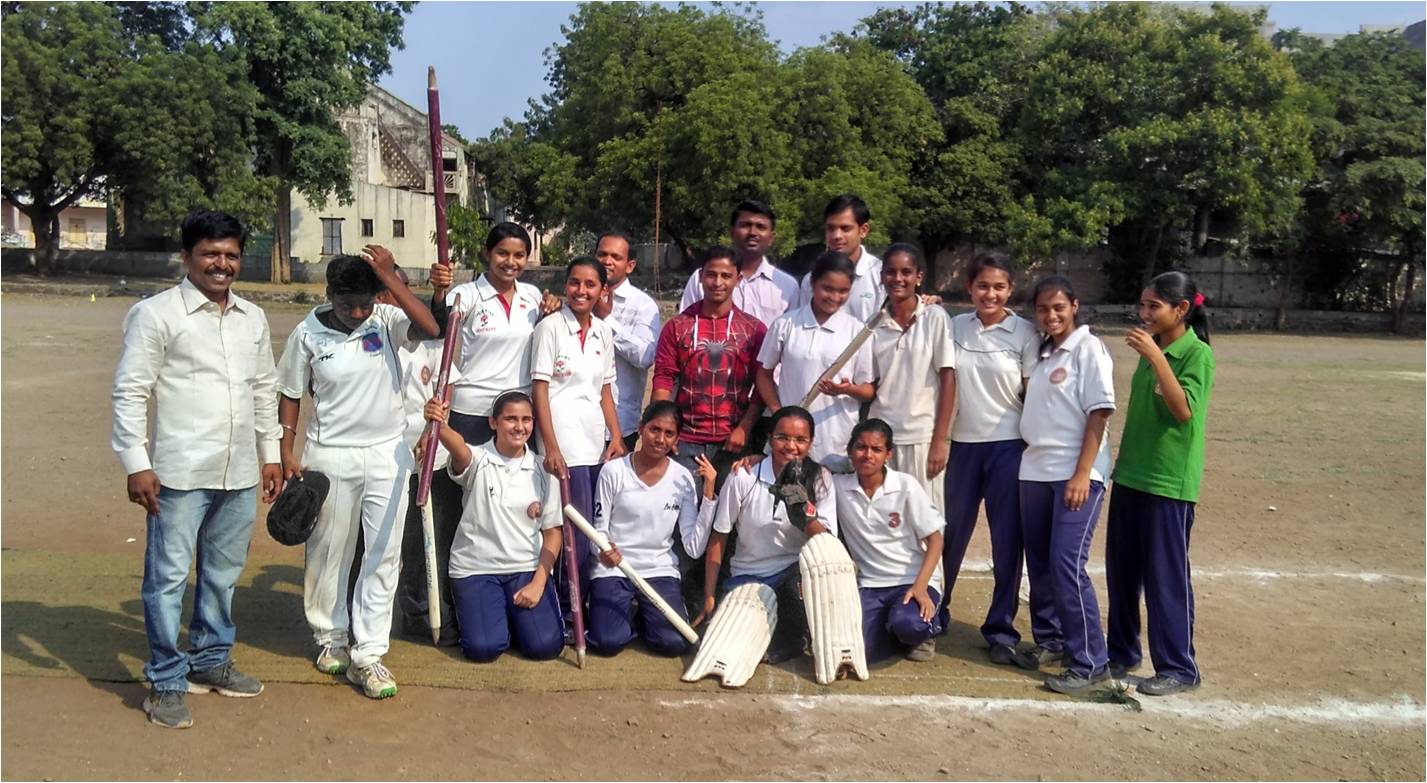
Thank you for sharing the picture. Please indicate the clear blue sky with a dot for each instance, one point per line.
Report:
(490, 57)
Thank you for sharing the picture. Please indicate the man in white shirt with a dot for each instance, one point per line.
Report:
(763, 291)
(203, 355)
(633, 319)
(846, 221)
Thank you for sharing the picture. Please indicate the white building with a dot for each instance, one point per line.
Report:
(392, 187)
(82, 226)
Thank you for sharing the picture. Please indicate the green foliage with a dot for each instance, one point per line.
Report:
(109, 97)
(466, 231)
(308, 61)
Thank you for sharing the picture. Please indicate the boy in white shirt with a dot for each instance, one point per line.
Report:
(345, 354)
(203, 355)
(846, 222)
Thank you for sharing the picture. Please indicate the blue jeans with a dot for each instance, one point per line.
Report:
(216, 525)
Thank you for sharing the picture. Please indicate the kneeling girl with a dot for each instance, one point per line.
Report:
(508, 538)
(640, 500)
(768, 542)
(894, 535)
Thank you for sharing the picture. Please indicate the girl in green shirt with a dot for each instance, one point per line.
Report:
(1156, 485)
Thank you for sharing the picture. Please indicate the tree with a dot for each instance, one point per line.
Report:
(970, 59)
(308, 61)
(1365, 202)
(1139, 122)
(109, 98)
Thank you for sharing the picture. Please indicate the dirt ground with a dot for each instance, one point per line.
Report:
(1309, 566)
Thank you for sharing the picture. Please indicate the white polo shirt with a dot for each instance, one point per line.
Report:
(908, 364)
(497, 534)
(767, 294)
(495, 347)
(634, 321)
(767, 541)
(990, 363)
(641, 519)
(576, 373)
(802, 349)
(1068, 384)
(420, 368)
(355, 379)
(884, 532)
(867, 293)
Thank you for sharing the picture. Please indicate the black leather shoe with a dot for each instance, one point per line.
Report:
(1045, 655)
(1119, 670)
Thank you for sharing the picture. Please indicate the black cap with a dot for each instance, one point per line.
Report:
(294, 513)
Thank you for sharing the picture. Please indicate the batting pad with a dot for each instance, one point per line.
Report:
(834, 608)
(737, 636)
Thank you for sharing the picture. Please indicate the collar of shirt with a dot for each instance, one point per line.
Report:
(1007, 324)
(804, 319)
(866, 263)
(487, 292)
(765, 472)
(571, 322)
(194, 299)
(891, 482)
(891, 323)
(765, 269)
(526, 461)
(621, 291)
(1183, 345)
(1075, 339)
(316, 324)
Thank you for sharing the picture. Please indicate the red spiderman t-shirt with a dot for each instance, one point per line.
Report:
(711, 362)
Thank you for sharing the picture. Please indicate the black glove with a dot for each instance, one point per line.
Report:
(794, 495)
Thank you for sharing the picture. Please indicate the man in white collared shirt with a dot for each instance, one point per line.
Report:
(203, 355)
(846, 221)
(633, 318)
(763, 291)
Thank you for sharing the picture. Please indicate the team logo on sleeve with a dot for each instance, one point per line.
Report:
(1058, 375)
(562, 368)
(372, 342)
(895, 520)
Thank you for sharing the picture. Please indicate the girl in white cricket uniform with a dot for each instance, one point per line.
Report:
(508, 539)
(345, 354)
(499, 317)
(893, 534)
(995, 352)
(572, 372)
(805, 343)
(768, 543)
(641, 501)
(914, 361)
(1069, 399)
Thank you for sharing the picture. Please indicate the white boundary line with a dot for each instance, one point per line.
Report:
(1400, 712)
(1257, 574)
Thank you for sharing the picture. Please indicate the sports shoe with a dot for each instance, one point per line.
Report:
(225, 679)
(1070, 683)
(1044, 655)
(166, 708)
(1164, 685)
(333, 660)
(1119, 670)
(922, 652)
(1007, 655)
(375, 680)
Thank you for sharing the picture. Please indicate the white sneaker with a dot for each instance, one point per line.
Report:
(333, 660)
(375, 680)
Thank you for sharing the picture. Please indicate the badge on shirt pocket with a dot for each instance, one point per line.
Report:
(562, 368)
(1058, 375)
(372, 342)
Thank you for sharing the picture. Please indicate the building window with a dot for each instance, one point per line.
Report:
(398, 228)
(366, 227)
(331, 236)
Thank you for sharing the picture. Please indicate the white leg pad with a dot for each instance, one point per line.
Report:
(834, 608)
(737, 636)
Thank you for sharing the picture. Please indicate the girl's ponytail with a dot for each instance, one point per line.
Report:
(1176, 287)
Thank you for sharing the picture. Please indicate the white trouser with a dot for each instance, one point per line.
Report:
(368, 493)
(911, 458)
